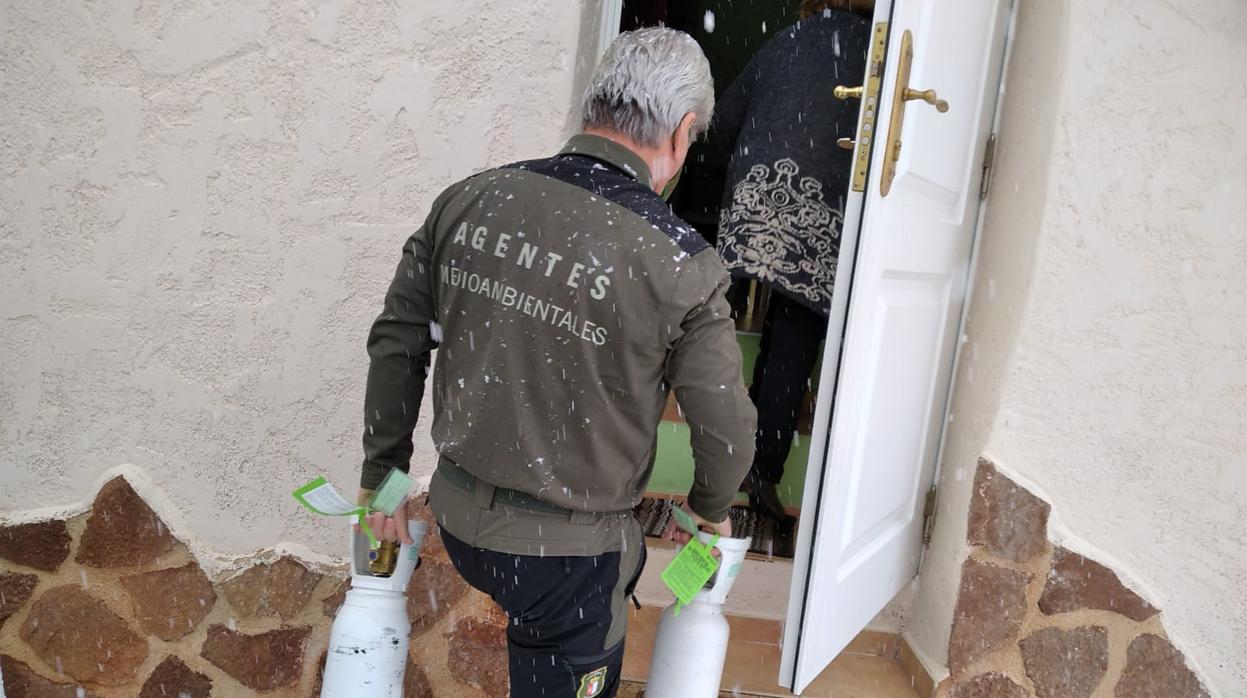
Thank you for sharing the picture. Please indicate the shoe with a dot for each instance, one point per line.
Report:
(764, 498)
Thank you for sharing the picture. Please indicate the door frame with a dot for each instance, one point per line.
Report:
(609, 19)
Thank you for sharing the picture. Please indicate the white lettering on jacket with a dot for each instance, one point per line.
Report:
(514, 299)
(526, 254)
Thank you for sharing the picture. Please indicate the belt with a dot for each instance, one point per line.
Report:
(488, 495)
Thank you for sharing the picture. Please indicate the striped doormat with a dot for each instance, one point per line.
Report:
(770, 538)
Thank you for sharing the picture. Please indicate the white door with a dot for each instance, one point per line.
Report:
(911, 264)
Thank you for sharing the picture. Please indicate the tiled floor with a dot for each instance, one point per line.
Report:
(866, 669)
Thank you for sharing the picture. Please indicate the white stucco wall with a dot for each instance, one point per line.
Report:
(1106, 363)
(201, 205)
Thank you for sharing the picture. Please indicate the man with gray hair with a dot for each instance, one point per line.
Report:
(567, 301)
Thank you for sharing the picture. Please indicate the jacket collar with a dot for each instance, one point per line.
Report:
(611, 153)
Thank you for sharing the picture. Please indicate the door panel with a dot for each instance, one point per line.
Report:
(910, 311)
(910, 258)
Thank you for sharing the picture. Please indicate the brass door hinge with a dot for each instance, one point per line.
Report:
(989, 161)
(928, 515)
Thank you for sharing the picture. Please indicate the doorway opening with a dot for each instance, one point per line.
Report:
(731, 32)
(909, 239)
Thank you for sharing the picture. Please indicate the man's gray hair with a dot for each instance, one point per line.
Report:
(647, 81)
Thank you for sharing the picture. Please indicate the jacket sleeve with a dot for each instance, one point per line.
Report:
(704, 369)
(399, 346)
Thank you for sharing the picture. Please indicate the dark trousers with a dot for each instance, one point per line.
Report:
(560, 610)
(791, 335)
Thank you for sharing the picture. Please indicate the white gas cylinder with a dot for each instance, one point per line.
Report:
(691, 645)
(368, 643)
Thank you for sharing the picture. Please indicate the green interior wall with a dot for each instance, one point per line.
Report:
(673, 466)
(740, 29)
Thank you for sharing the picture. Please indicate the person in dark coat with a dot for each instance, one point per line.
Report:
(783, 206)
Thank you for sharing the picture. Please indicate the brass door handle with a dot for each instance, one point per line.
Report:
(900, 96)
(927, 96)
(842, 92)
(846, 143)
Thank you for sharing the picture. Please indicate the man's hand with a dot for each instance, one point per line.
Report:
(679, 535)
(392, 528)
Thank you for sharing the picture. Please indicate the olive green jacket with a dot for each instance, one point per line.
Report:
(567, 301)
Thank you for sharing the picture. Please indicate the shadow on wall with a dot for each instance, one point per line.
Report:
(1013, 222)
(1013, 219)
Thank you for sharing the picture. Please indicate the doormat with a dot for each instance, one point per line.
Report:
(769, 537)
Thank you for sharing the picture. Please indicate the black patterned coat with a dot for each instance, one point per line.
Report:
(783, 205)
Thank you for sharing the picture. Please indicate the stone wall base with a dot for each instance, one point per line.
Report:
(1037, 620)
(110, 604)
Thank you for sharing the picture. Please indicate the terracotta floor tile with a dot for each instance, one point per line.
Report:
(630, 689)
(875, 643)
(862, 676)
(642, 625)
(753, 662)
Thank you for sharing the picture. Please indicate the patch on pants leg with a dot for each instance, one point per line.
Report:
(592, 683)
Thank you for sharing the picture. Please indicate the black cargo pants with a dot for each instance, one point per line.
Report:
(560, 609)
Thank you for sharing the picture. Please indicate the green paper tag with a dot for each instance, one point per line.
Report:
(393, 490)
(684, 521)
(321, 497)
(690, 570)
